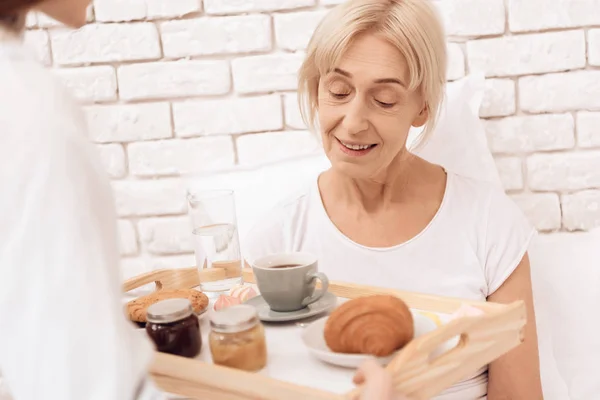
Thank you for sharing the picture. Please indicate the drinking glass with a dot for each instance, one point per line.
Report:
(216, 238)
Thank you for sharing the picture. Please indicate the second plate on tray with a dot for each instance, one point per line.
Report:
(313, 337)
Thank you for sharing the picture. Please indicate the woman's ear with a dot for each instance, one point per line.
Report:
(422, 117)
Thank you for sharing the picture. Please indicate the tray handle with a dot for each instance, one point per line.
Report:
(185, 277)
(421, 374)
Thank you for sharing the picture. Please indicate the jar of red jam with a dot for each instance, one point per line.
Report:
(174, 328)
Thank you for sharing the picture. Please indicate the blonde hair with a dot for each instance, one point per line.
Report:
(412, 26)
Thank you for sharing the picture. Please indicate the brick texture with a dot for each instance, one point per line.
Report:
(180, 156)
(499, 98)
(113, 159)
(568, 171)
(228, 35)
(97, 43)
(569, 91)
(531, 133)
(293, 30)
(228, 116)
(456, 62)
(132, 10)
(237, 6)
(473, 17)
(90, 84)
(170, 87)
(528, 54)
(129, 122)
(532, 15)
(173, 79)
(149, 197)
(259, 74)
(581, 210)
(588, 129)
(542, 209)
(594, 47)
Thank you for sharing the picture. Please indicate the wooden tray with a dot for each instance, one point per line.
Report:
(483, 339)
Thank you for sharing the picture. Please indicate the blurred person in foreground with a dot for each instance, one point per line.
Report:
(382, 215)
(64, 335)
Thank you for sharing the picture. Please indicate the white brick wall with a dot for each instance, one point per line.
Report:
(170, 84)
(528, 54)
(228, 116)
(129, 122)
(594, 46)
(529, 133)
(588, 129)
(218, 35)
(532, 15)
(98, 43)
(173, 79)
(170, 157)
(90, 84)
(266, 73)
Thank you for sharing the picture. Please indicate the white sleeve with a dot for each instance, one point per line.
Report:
(507, 236)
(64, 332)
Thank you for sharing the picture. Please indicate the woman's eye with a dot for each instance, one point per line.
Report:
(339, 95)
(384, 104)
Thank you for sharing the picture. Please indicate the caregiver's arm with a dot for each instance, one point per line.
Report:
(516, 375)
(64, 334)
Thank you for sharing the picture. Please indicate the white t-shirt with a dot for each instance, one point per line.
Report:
(471, 246)
(64, 333)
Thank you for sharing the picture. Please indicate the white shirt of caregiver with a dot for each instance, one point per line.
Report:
(64, 335)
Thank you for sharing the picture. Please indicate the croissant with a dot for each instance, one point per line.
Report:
(375, 325)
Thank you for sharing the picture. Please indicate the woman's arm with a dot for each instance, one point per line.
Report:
(516, 375)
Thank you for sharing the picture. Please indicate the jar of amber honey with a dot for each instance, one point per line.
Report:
(237, 338)
(174, 328)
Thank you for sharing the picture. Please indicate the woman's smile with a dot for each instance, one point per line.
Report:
(355, 149)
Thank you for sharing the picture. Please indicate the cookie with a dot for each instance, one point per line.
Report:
(136, 309)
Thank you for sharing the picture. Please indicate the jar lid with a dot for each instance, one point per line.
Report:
(170, 310)
(234, 319)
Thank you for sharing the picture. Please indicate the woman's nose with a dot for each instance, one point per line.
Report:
(355, 119)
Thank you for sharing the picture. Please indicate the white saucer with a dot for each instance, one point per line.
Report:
(324, 304)
(314, 339)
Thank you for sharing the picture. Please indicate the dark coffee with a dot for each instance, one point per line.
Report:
(286, 266)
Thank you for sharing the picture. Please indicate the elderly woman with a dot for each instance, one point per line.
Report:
(383, 216)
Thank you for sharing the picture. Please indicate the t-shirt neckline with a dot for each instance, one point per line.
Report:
(318, 200)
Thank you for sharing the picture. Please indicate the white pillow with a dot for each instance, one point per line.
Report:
(565, 269)
(458, 142)
(260, 188)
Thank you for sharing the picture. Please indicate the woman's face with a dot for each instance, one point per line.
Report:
(366, 111)
(70, 12)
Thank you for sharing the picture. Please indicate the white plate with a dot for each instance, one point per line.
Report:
(314, 339)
